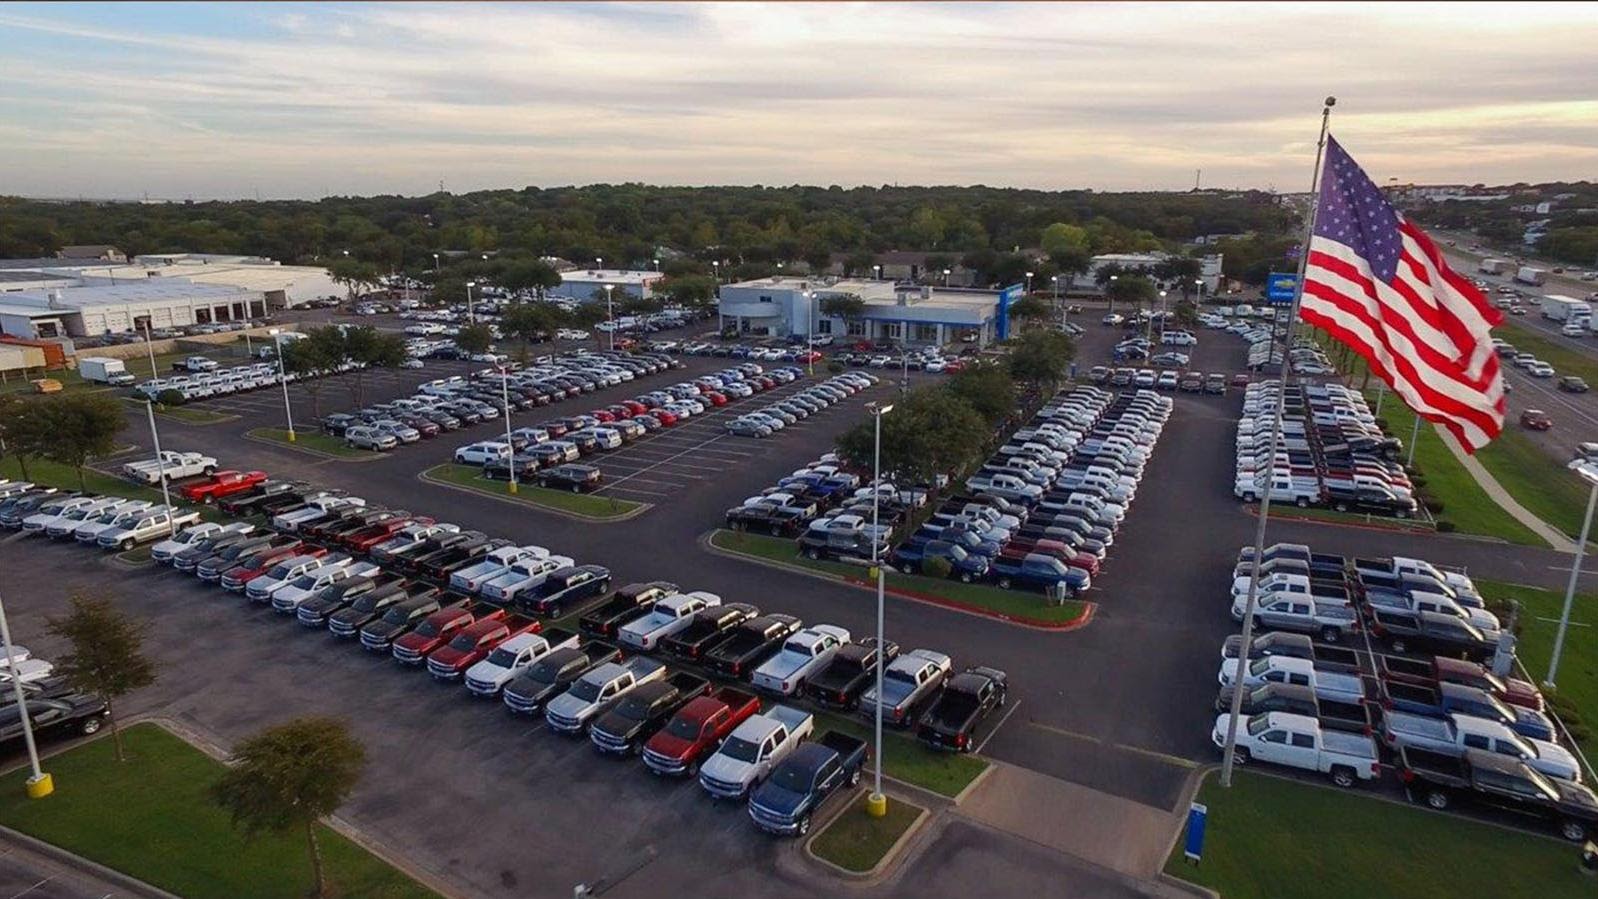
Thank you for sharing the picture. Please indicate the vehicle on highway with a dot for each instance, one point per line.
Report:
(1536, 420)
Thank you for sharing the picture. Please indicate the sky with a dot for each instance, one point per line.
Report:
(305, 100)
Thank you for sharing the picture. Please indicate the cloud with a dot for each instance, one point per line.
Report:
(1119, 96)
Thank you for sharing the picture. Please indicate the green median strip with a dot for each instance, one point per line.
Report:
(906, 759)
(185, 414)
(1465, 504)
(151, 817)
(856, 841)
(312, 441)
(1268, 837)
(1283, 510)
(585, 505)
(53, 474)
(1012, 603)
(1578, 660)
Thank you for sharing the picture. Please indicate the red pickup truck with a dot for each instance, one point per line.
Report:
(221, 484)
(474, 642)
(239, 576)
(697, 730)
(364, 539)
(1085, 561)
(441, 627)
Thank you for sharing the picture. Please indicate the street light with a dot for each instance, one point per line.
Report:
(1589, 473)
(504, 392)
(1110, 294)
(160, 468)
(945, 277)
(657, 265)
(599, 263)
(40, 784)
(471, 319)
(610, 315)
(1162, 316)
(283, 379)
(716, 264)
(1054, 285)
(877, 272)
(435, 262)
(1029, 282)
(876, 803)
(810, 331)
(150, 348)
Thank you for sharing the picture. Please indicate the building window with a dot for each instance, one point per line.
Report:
(926, 332)
(856, 328)
(765, 298)
(824, 326)
(892, 330)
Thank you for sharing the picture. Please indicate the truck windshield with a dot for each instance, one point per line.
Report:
(1259, 666)
(464, 643)
(635, 709)
(586, 690)
(792, 778)
(684, 728)
(397, 615)
(504, 658)
(427, 629)
(1258, 725)
(739, 749)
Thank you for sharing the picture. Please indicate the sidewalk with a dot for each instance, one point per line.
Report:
(1554, 537)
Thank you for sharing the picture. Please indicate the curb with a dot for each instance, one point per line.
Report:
(294, 447)
(529, 504)
(72, 861)
(1081, 621)
(888, 858)
(1253, 511)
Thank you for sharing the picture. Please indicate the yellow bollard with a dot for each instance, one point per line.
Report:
(514, 487)
(873, 572)
(291, 437)
(876, 805)
(41, 786)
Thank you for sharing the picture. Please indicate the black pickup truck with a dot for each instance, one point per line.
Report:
(436, 546)
(437, 565)
(80, 713)
(1275, 643)
(751, 643)
(967, 700)
(315, 611)
(379, 635)
(1431, 633)
(778, 521)
(189, 558)
(368, 607)
(838, 684)
(550, 676)
(1297, 700)
(266, 499)
(707, 628)
(631, 601)
(628, 725)
(1501, 782)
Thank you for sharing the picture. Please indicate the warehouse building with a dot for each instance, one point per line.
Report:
(284, 286)
(591, 283)
(894, 313)
(112, 309)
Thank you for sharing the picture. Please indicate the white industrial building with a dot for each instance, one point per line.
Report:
(792, 307)
(590, 284)
(284, 286)
(94, 310)
(1209, 272)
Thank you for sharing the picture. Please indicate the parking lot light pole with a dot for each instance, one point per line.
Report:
(150, 348)
(810, 331)
(160, 470)
(40, 784)
(946, 278)
(1109, 294)
(1588, 473)
(877, 271)
(877, 803)
(610, 316)
(504, 392)
(470, 318)
(283, 379)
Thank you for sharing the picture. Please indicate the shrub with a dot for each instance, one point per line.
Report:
(1434, 506)
(1445, 526)
(936, 566)
(169, 397)
(836, 367)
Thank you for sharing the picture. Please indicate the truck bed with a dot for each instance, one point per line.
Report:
(1348, 743)
(843, 744)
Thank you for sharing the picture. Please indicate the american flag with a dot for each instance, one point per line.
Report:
(1377, 283)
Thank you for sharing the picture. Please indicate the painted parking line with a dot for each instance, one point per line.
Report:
(684, 452)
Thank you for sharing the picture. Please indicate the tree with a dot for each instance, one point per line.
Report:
(531, 322)
(1181, 271)
(474, 339)
(290, 776)
(75, 428)
(587, 317)
(107, 655)
(534, 275)
(1130, 289)
(687, 290)
(1186, 313)
(318, 352)
(370, 348)
(353, 274)
(859, 264)
(1031, 309)
(1041, 358)
(446, 289)
(846, 306)
(930, 431)
(1072, 264)
(1060, 239)
(19, 434)
(987, 388)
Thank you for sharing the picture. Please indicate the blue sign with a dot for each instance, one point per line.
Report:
(1280, 288)
(1006, 296)
(1194, 847)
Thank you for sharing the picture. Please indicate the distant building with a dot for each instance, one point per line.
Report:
(90, 311)
(102, 252)
(792, 307)
(589, 284)
(283, 286)
(1209, 273)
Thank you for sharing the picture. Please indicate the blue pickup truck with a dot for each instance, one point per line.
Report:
(785, 801)
(963, 565)
(966, 538)
(1037, 571)
(1443, 699)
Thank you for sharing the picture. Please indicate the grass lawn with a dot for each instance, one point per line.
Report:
(904, 758)
(184, 414)
(314, 441)
(1537, 480)
(151, 817)
(1578, 661)
(587, 505)
(137, 554)
(54, 474)
(1267, 837)
(1285, 510)
(855, 841)
(1464, 502)
(1015, 603)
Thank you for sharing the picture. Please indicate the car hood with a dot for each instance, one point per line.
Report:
(778, 799)
(669, 745)
(720, 767)
(1554, 757)
(567, 705)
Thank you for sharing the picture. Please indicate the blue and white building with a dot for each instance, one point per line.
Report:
(580, 284)
(914, 314)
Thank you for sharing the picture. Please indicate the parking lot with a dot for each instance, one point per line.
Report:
(1123, 707)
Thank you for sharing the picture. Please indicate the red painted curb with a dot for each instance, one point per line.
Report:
(1254, 511)
(1079, 621)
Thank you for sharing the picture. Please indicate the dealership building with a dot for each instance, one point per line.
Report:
(590, 284)
(915, 314)
(90, 311)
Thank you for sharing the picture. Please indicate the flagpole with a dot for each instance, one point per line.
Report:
(1276, 439)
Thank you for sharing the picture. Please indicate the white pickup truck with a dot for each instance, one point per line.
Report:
(753, 750)
(1329, 684)
(314, 510)
(1453, 734)
(1299, 741)
(488, 677)
(472, 578)
(528, 574)
(174, 464)
(802, 654)
(571, 712)
(668, 616)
